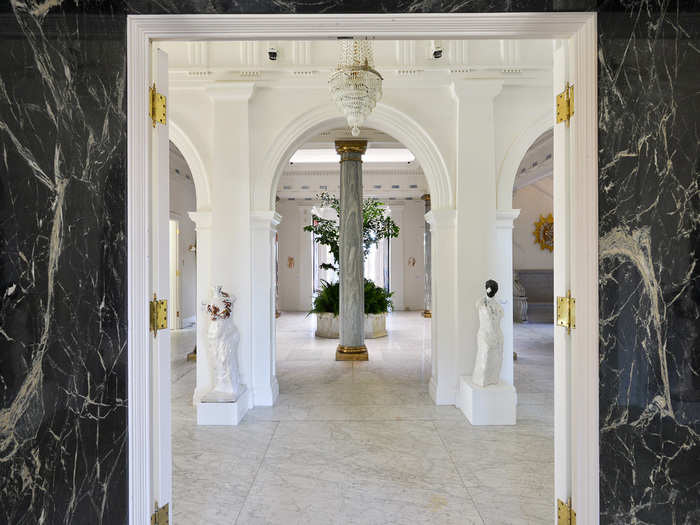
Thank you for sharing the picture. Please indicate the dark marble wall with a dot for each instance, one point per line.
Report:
(63, 442)
(649, 106)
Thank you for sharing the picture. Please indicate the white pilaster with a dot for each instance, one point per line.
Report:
(504, 276)
(396, 259)
(476, 202)
(263, 229)
(444, 328)
(305, 262)
(202, 221)
(230, 230)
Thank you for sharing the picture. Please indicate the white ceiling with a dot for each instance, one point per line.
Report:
(385, 180)
(179, 169)
(538, 162)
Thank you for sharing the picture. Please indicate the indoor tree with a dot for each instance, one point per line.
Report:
(376, 225)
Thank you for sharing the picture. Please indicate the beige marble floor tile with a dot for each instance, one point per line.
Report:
(363, 443)
(288, 498)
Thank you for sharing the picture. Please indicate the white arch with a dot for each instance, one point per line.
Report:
(194, 161)
(384, 118)
(514, 155)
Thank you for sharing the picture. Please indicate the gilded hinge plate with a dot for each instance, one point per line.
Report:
(566, 312)
(158, 314)
(565, 105)
(157, 107)
(566, 515)
(160, 516)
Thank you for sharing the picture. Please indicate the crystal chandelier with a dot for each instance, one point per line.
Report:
(355, 85)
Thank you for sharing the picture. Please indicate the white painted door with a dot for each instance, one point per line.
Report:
(161, 461)
(563, 345)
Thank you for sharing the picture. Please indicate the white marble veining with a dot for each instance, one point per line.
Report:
(362, 442)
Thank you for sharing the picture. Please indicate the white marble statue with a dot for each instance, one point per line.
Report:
(223, 349)
(489, 338)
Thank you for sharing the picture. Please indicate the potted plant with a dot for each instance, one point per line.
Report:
(326, 306)
(376, 225)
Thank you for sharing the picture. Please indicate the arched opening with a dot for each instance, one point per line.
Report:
(532, 271)
(182, 311)
(392, 176)
(384, 118)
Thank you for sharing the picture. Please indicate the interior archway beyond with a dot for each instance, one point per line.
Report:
(385, 119)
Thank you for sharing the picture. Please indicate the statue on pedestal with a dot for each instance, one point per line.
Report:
(519, 300)
(223, 349)
(489, 338)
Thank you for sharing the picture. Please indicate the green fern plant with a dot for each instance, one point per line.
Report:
(327, 300)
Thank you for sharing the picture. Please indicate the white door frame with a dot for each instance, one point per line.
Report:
(579, 28)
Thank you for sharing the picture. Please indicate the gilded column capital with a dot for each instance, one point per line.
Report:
(350, 146)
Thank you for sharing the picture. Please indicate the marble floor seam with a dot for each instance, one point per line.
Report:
(257, 472)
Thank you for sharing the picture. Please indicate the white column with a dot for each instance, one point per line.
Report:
(202, 221)
(504, 275)
(305, 262)
(478, 257)
(427, 255)
(396, 259)
(263, 230)
(231, 237)
(443, 381)
(476, 202)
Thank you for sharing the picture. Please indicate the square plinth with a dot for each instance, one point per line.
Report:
(228, 413)
(487, 405)
(355, 354)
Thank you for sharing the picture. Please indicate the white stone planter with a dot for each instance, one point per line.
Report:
(328, 326)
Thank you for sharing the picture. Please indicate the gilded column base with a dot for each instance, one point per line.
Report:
(427, 313)
(351, 353)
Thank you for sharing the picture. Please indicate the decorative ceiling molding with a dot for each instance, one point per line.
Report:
(308, 63)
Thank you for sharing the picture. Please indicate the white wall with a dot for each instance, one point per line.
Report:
(411, 240)
(295, 284)
(182, 201)
(532, 201)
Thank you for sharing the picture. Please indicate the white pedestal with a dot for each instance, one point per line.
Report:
(224, 413)
(487, 405)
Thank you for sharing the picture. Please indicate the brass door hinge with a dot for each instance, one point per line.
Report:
(158, 314)
(566, 515)
(565, 105)
(566, 312)
(160, 515)
(157, 106)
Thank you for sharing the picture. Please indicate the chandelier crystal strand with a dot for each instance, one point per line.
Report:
(355, 85)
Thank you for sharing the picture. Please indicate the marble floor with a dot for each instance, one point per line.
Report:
(362, 443)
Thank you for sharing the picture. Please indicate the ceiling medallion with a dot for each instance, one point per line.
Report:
(544, 232)
(355, 85)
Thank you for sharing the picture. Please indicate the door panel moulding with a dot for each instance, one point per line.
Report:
(580, 28)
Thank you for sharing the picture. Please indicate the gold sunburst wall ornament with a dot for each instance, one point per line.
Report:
(544, 232)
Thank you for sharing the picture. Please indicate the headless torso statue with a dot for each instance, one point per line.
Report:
(489, 338)
(223, 340)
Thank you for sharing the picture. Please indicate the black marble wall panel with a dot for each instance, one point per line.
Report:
(649, 80)
(63, 428)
